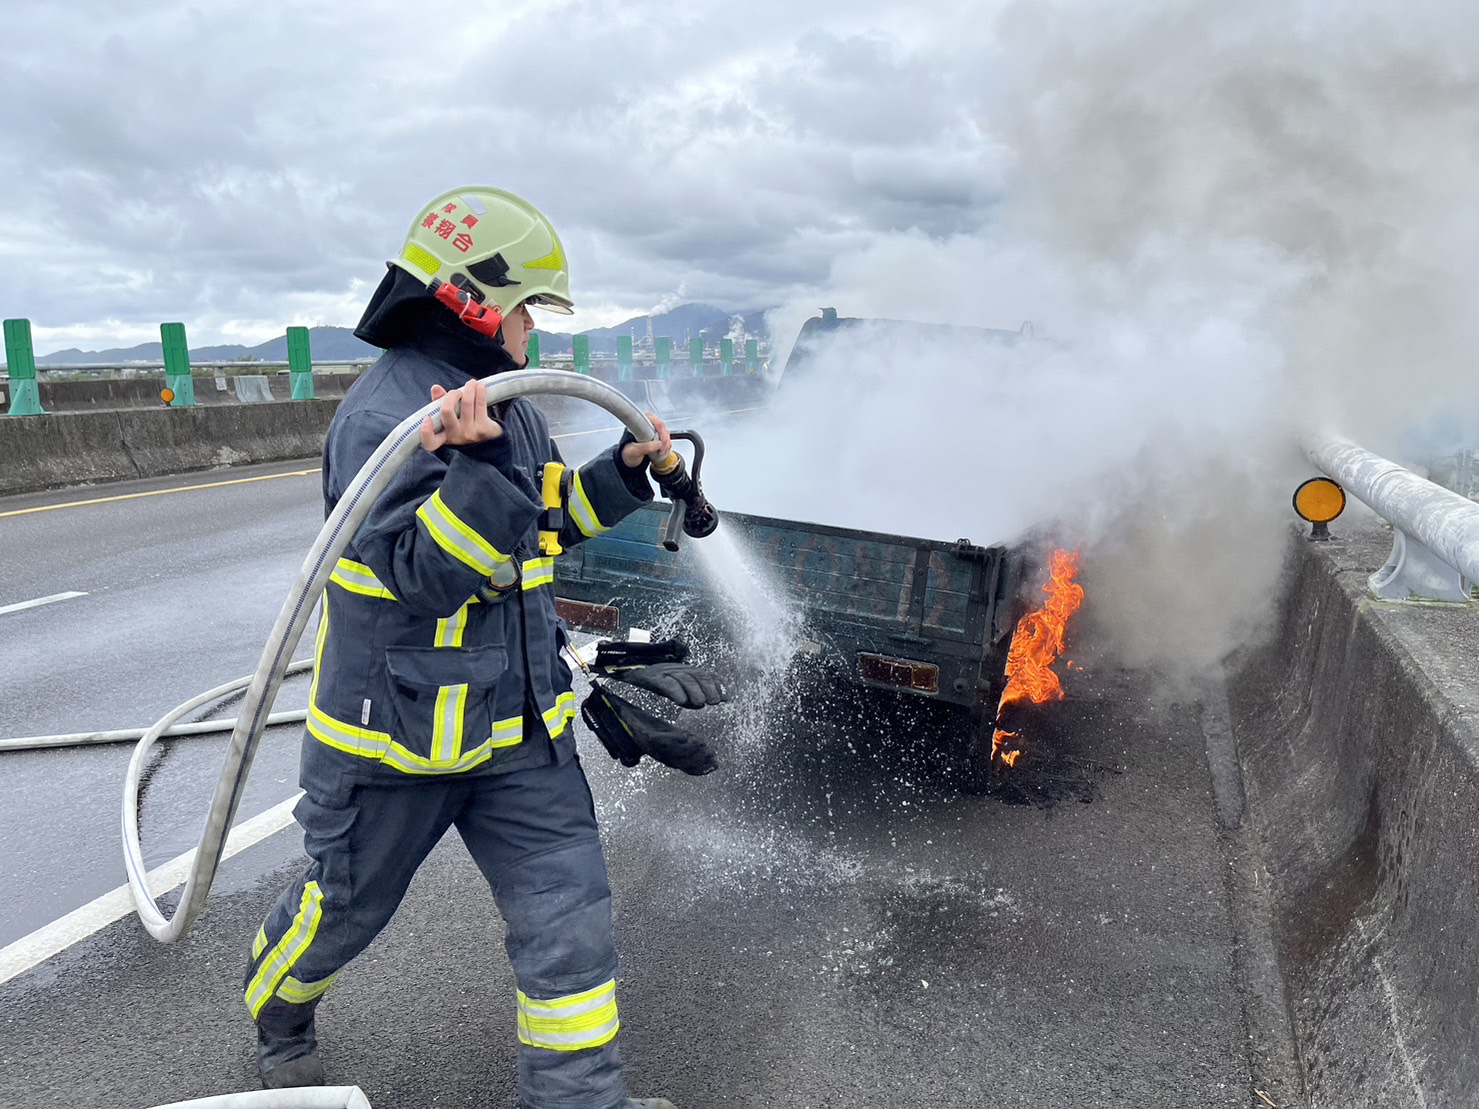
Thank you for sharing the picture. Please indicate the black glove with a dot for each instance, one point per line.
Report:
(628, 733)
(660, 668)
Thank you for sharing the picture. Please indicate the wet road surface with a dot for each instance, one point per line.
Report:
(180, 592)
(822, 922)
(825, 921)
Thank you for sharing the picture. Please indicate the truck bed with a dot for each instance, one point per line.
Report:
(918, 615)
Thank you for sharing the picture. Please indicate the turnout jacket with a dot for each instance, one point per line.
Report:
(423, 667)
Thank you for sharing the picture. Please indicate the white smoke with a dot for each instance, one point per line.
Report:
(1227, 224)
(670, 300)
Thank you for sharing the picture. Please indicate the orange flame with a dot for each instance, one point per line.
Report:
(1036, 644)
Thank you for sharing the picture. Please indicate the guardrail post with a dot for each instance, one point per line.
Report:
(726, 357)
(300, 363)
(1413, 572)
(580, 349)
(662, 347)
(696, 356)
(624, 371)
(1466, 474)
(20, 362)
(752, 356)
(177, 365)
(533, 352)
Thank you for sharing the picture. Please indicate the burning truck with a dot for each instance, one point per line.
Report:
(952, 638)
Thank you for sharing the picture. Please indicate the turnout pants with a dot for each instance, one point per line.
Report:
(533, 835)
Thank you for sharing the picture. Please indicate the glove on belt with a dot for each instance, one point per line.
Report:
(661, 668)
(628, 733)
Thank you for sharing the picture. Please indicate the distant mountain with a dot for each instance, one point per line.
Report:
(329, 344)
(144, 352)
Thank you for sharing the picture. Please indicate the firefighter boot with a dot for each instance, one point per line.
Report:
(287, 1048)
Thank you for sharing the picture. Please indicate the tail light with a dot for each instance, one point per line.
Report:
(901, 673)
(588, 617)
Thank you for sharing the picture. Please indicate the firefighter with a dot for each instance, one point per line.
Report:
(439, 696)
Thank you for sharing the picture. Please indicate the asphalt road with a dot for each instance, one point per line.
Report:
(825, 921)
(181, 589)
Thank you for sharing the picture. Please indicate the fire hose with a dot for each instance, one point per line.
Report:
(691, 512)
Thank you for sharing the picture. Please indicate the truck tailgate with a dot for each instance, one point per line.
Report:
(865, 597)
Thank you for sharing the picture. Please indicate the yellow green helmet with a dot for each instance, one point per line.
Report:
(496, 247)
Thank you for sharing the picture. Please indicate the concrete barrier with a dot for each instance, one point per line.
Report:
(130, 434)
(680, 399)
(680, 395)
(695, 395)
(1358, 734)
(76, 448)
(143, 392)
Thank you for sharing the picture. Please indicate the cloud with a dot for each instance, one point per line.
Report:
(232, 162)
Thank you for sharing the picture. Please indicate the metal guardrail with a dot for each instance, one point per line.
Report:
(232, 364)
(1435, 542)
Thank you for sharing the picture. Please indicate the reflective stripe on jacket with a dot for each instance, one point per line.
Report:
(423, 665)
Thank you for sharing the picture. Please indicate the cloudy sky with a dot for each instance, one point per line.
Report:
(245, 166)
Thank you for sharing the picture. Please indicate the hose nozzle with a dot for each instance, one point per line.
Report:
(692, 511)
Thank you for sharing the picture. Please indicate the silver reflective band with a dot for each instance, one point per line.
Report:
(574, 1023)
(577, 1040)
(456, 537)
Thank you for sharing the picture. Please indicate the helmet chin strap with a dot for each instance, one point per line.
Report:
(483, 318)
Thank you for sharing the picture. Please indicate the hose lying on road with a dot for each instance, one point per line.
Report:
(296, 611)
(132, 735)
(304, 1097)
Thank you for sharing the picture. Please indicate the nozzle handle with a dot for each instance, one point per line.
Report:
(673, 528)
(692, 513)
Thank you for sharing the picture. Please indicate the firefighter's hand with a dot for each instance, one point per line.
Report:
(465, 418)
(634, 454)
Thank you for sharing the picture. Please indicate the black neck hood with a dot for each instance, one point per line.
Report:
(403, 313)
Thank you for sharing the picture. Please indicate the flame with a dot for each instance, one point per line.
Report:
(1036, 643)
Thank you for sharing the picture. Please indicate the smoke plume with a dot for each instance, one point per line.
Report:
(1229, 226)
(670, 301)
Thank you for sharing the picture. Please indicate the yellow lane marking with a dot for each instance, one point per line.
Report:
(156, 492)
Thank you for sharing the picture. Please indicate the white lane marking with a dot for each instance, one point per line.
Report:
(39, 601)
(34, 949)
